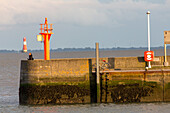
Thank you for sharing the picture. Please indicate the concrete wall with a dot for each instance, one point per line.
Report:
(134, 62)
(60, 81)
(35, 71)
(121, 63)
(129, 62)
(64, 81)
(144, 86)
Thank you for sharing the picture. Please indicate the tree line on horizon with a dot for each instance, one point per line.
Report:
(88, 49)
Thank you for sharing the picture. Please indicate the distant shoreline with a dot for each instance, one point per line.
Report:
(84, 49)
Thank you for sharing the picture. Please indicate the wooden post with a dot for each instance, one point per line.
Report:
(97, 72)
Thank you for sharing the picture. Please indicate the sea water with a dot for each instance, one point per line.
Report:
(9, 87)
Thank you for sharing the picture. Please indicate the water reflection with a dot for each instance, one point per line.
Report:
(91, 108)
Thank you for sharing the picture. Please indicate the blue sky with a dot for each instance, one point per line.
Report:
(81, 23)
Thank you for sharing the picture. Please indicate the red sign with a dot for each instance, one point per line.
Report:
(148, 55)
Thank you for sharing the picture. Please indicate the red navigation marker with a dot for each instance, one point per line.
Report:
(148, 55)
(46, 32)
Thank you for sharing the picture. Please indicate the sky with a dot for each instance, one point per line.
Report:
(82, 23)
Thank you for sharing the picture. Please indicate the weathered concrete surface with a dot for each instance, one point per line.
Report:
(134, 62)
(45, 71)
(126, 87)
(166, 86)
(64, 81)
(131, 63)
(54, 94)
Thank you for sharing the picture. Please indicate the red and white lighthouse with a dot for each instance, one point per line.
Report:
(24, 45)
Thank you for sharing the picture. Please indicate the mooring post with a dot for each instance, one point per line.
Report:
(97, 72)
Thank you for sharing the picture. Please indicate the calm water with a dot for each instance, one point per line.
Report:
(9, 85)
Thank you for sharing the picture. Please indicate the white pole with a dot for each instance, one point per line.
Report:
(148, 13)
(148, 31)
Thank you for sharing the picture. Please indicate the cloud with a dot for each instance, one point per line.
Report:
(80, 12)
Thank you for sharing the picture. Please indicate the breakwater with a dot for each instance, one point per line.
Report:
(68, 81)
(55, 81)
(135, 86)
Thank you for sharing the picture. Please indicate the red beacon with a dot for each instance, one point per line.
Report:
(46, 32)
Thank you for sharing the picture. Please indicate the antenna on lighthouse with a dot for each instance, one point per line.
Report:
(24, 45)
